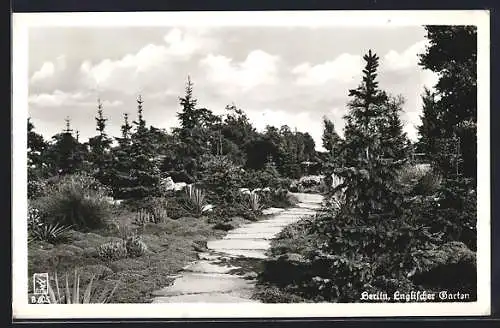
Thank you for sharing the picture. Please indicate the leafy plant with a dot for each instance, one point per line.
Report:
(112, 251)
(73, 296)
(254, 202)
(135, 246)
(195, 200)
(41, 231)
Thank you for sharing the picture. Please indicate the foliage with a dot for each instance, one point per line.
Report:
(221, 178)
(135, 246)
(41, 231)
(72, 295)
(453, 55)
(77, 200)
(332, 143)
(195, 200)
(112, 251)
(65, 154)
(100, 145)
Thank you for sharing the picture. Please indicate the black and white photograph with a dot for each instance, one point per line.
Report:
(204, 164)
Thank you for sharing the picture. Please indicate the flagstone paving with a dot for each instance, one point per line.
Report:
(212, 279)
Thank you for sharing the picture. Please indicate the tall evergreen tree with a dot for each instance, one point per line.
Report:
(394, 141)
(100, 147)
(144, 171)
(368, 178)
(188, 116)
(453, 55)
(430, 129)
(65, 152)
(122, 163)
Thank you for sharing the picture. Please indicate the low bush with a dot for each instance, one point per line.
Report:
(112, 251)
(77, 200)
(272, 294)
(135, 246)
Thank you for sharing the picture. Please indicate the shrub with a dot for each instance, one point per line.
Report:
(36, 187)
(135, 246)
(77, 200)
(112, 251)
(428, 184)
(41, 231)
(272, 294)
(221, 179)
(73, 296)
(268, 177)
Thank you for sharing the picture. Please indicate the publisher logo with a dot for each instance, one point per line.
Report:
(40, 283)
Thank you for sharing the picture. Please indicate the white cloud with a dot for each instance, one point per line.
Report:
(344, 68)
(394, 60)
(47, 70)
(146, 67)
(59, 99)
(259, 68)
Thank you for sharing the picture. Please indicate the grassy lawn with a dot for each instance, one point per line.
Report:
(171, 245)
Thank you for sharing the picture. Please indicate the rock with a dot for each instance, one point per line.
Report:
(179, 186)
(168, 184)
(207, 208)
(245, 191)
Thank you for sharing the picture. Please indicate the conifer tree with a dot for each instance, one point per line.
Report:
(122, 164)
(188, 116)
(368, 177)
(394, 142)
(429, 131)
(144, 172)
(100, 146)
(453, 55)
(65, 152)
(332, 143)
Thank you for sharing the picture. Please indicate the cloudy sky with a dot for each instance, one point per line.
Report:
(278, 75)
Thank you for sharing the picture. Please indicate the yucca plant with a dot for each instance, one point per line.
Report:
(254, 203)
(41, 231)
(195, 200)
(72, 295)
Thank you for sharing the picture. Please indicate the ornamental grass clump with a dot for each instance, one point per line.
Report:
(112, 251)
(78, 200)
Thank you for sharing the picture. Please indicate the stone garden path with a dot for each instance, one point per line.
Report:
(224, 273)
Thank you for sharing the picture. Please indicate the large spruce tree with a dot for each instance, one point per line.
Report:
(453, 55)
(100, 147)
(368, 176)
